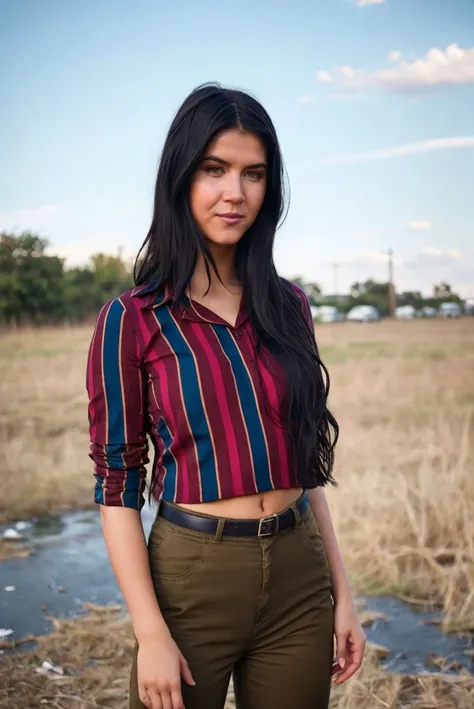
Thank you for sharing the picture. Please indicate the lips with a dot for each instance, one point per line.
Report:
(231, 218)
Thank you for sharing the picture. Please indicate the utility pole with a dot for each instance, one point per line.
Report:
(391, 286)
(336, 289)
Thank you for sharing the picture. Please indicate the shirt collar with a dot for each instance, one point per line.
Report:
(154, 296)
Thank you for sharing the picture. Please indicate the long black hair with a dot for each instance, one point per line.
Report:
(170, 251)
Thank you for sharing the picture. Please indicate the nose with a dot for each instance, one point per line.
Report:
(233, 192)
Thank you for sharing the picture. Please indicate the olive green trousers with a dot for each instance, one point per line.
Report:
(258, 610)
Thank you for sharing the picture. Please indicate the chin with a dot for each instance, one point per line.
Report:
(227, 239)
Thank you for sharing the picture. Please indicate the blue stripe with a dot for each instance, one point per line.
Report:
(168, 462)
(193, 403)
(249, 408)
(99, 489)
(111, 365)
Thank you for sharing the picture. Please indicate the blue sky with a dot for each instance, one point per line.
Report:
(380, 153)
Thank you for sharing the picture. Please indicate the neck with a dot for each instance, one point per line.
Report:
(224, 257)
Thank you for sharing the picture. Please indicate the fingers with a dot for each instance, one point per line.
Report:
(354, 664)
(186, 672)
(145, 697)
(341, 649)
(177, 699)
(155, 698)
(166, 700)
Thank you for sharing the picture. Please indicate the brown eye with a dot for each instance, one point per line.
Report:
(213, 170)
(255, 176)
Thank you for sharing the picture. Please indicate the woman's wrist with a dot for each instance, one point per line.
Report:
(150, 628)
(342, 592)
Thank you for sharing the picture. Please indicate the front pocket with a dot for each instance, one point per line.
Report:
(174, 555)
(313, 535)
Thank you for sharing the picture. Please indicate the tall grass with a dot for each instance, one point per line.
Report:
(404, 396)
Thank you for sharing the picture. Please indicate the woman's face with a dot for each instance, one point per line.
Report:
(228, 188)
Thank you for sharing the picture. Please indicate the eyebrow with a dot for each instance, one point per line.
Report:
(226, 164)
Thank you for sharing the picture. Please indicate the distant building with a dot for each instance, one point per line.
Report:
(326, 313)
(469, 306)
(450, 310)
(428, 312)
(405, 312)
(363, 313)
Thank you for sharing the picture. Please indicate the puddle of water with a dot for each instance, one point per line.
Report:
(49, 526)
(412, 639)
(69, 565)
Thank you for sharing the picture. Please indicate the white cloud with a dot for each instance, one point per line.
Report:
(324, 77)
(437, 260)
(364, 3)
(433, 252)
(307, 98)
(24, 219)
(369, 259)
(394, 56)
(419, 225)
(438, 67)
(423, 146)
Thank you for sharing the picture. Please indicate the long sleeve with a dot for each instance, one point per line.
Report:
(116, 389)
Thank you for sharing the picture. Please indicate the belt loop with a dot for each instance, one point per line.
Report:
(219, 530)
(296, 512)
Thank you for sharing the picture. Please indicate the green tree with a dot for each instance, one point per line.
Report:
(31, 282)
(36, 288)
(443, 291)
(369, 292)
(311, 288)
(413, 298)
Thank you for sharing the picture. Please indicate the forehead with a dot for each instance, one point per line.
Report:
(237, 146)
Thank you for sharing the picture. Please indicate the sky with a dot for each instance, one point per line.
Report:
(372, 100)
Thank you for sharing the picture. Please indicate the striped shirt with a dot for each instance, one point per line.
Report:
(187, 380)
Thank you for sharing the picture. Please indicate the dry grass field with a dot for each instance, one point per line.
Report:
(404, 511)
(95, 653)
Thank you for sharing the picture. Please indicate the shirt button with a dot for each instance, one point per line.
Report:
(238, 334)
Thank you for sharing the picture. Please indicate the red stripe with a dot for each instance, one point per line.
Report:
(277, 441)
(220, 420)
(97, 402)
(174, 413)
(238, 422)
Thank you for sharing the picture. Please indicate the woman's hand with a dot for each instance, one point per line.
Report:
(160, 666)
(350, 641)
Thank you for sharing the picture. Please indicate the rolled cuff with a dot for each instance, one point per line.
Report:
(120, 489)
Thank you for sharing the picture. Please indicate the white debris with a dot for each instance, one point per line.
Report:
(10, 588)
(48, 668)
(5, 632)
(22, 525)
(12, 534)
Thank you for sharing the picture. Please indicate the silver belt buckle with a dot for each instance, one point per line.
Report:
(267, 520)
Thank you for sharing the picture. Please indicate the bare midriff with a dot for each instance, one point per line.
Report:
(256, 506)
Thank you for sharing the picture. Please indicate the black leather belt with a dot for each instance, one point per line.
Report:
(265, 527)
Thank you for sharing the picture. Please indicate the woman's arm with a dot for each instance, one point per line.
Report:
(116, 384)
(350, 637)
(126, 546)
(322, 515)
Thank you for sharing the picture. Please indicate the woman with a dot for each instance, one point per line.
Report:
(212, 356)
